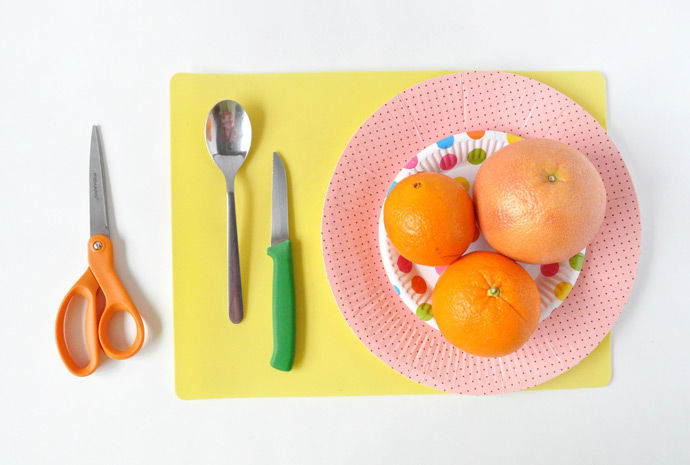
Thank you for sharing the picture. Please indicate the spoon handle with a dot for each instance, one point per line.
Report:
(235, 303)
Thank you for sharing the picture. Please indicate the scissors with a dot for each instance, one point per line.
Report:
(100, 275)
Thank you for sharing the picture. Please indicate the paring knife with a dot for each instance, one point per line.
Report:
(283, 278)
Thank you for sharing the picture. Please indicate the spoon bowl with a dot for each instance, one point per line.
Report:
(228, 138)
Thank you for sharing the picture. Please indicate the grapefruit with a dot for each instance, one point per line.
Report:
(539, 201)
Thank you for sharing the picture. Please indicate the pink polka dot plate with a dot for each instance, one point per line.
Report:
(459, 156)
(400, 129)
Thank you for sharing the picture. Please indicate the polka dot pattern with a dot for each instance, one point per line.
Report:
(449, 161)
(404, 265)
(476, 135)
(576, 261)
(562, 290)
(550, 270)
(445, 142)
(440, 270)
(476, 156)
(434, 159)
(424, 312)
(419, 285)
(411, 164)
(400, 129)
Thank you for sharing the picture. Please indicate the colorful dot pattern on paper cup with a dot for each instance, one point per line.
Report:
(400, 129)
(445, 142)
(577, 261)
(424, 312)
(404, 265)
(476, 135)
(476, 156)
(468, 151)
(448, 162)
(412, 164)
(550, 269)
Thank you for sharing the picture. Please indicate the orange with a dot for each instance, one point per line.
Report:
(539, 201)
(429, 218)
(486, 304)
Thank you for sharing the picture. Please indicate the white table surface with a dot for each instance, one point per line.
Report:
(67, 65)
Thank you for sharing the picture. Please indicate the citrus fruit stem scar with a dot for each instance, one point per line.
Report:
(552, 178)
(493, 291)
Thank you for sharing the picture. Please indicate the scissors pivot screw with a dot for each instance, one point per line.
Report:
(97, 245)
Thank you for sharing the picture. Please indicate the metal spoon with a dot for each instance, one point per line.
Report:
(228, 137)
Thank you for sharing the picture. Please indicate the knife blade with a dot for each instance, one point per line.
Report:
(280, 251)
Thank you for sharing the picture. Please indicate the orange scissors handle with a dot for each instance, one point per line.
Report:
(100, 275)
(87, 287)
(116, 297)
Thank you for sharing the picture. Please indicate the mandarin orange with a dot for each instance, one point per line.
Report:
(486, 304)
(539, 201)
(429, 218)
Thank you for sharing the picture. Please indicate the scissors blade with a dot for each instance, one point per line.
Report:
(99, 214)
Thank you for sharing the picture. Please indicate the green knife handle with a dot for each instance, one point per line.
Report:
(283, 306)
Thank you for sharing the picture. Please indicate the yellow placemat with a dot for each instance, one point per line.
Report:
(308, 118)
